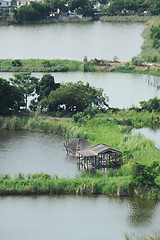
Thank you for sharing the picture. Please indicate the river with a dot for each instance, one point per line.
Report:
(123, 89)
(72, 41)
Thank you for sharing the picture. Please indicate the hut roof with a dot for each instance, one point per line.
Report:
(87, 153)
(75, 144)
(102, 148)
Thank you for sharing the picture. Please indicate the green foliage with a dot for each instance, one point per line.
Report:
(137, 60)
(151, 105)
(32, 12)
(144, 176)
(40, 65)
(155, 35)
(11, 98)
(16, 63)
(26, 83)
(75, 97)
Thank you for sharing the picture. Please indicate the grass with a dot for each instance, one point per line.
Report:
(147, 49)
(125, 18)
(41, 65)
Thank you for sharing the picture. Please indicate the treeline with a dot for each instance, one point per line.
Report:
(50, 96)
(37, 11)
(133, 7)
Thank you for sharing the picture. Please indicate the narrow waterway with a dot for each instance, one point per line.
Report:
(123, 89)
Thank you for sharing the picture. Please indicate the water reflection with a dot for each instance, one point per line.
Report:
(141, 211)
(75, 217)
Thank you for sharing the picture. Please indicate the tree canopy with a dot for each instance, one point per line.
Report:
(75, 97)
(11, 98)
(26, 83)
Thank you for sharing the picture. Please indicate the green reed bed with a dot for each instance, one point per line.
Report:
(133, 18)
(46, 184)
(40, 65)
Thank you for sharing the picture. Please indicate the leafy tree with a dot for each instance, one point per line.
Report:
(137, 60)
(43, 89)
(26, 83)
(144, 175)
(57, 4)
(151, 105)
(32, 12)
(75, 97)
(11, 97)
(85, 7)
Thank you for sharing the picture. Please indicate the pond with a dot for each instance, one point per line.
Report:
(72, 41)
(75, 217)
(123, 89)
(34, 152)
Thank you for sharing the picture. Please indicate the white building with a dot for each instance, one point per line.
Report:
(5, 3)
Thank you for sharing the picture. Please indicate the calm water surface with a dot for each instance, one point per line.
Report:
(72, 41)
(123, 89)
(34, 152)
(74, 217)
(152, 134)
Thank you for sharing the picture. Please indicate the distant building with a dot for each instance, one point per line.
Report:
(5, 4)
(27, 2)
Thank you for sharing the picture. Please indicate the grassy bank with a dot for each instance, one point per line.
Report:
(135, 18)
(147, 49)
(40, 65)
(5, 22)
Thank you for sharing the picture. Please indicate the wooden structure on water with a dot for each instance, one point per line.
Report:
(91, 158)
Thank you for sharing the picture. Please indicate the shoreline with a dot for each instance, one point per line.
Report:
(63, 65)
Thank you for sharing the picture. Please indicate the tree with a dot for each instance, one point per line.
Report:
(151, 105)
(43, 89)
(11, 97)
(75, 97)
(26, 83)
(85, 7)
(32, 12)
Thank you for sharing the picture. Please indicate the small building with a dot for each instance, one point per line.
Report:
(5, 4)
(27, 2)
(91, 158)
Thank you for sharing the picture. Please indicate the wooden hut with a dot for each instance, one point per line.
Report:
(91, 158)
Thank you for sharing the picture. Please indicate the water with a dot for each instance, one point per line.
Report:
(152, 134)
(34, 152)
(72, 41)
(74, 217)
(123, 89)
